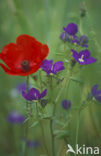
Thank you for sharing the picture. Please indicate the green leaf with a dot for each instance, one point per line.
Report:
(59, 122)
(61, 134)
(59, 54)
(76, 79)
(25, 120)
(66, 60)
(34, 124)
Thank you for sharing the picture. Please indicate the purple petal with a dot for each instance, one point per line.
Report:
(22, 86)
(47, 65)
(98, 98)
(66, 104)
(43, 94)
(94, 90)
(28, 96)
(90, 60)
(71, 28)
(75, 54)
(65, 37)
(83, 39)
(75, 41)
(58, 66)
(15, 118)
(29, 143)
(84, 45)
(33, 94)
(36, 94)
(85, 52)
(96, 93)
(35, 144)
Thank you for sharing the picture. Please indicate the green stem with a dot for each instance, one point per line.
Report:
(53, 139)
(93, 122)
(42, 131)
(62, 88)
(67, 78)
(52, 125)
(27, 116)
(77, 129)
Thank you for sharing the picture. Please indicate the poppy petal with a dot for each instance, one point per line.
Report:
(8, 71)
(27, 49)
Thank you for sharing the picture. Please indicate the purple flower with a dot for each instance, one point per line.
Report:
(66, 104)
(82, 41)
(49, 67)
(65, 37)
(22, 86)
(96, 93)
(34, 144)
(15, 118)
(14, 93)
(33, 94)
(83, 57)
(71, 29)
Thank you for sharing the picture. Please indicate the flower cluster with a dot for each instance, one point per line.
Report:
(69, 32)
(69, 35)
(81, 41)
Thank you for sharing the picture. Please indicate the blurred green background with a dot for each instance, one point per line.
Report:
(44, 19)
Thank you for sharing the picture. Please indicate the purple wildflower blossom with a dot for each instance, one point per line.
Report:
(71, 29)
(14, 93)
(22, 86)
(49, 67)
(83, 57)
(15, 118)
(34, 144)
(96, 93)
(66, 104)
(82, 41)
(65, 37)
(33, 94)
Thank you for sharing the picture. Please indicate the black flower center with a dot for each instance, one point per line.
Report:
(25, 65)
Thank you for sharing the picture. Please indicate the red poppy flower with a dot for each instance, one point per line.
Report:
(24, 57)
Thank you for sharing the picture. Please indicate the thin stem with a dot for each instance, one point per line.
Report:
(67, 78)
(27, 116)
(52, 124)
(77, 129)
(53, 139)
(42, 130)
(93, 122)
(62, 88)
